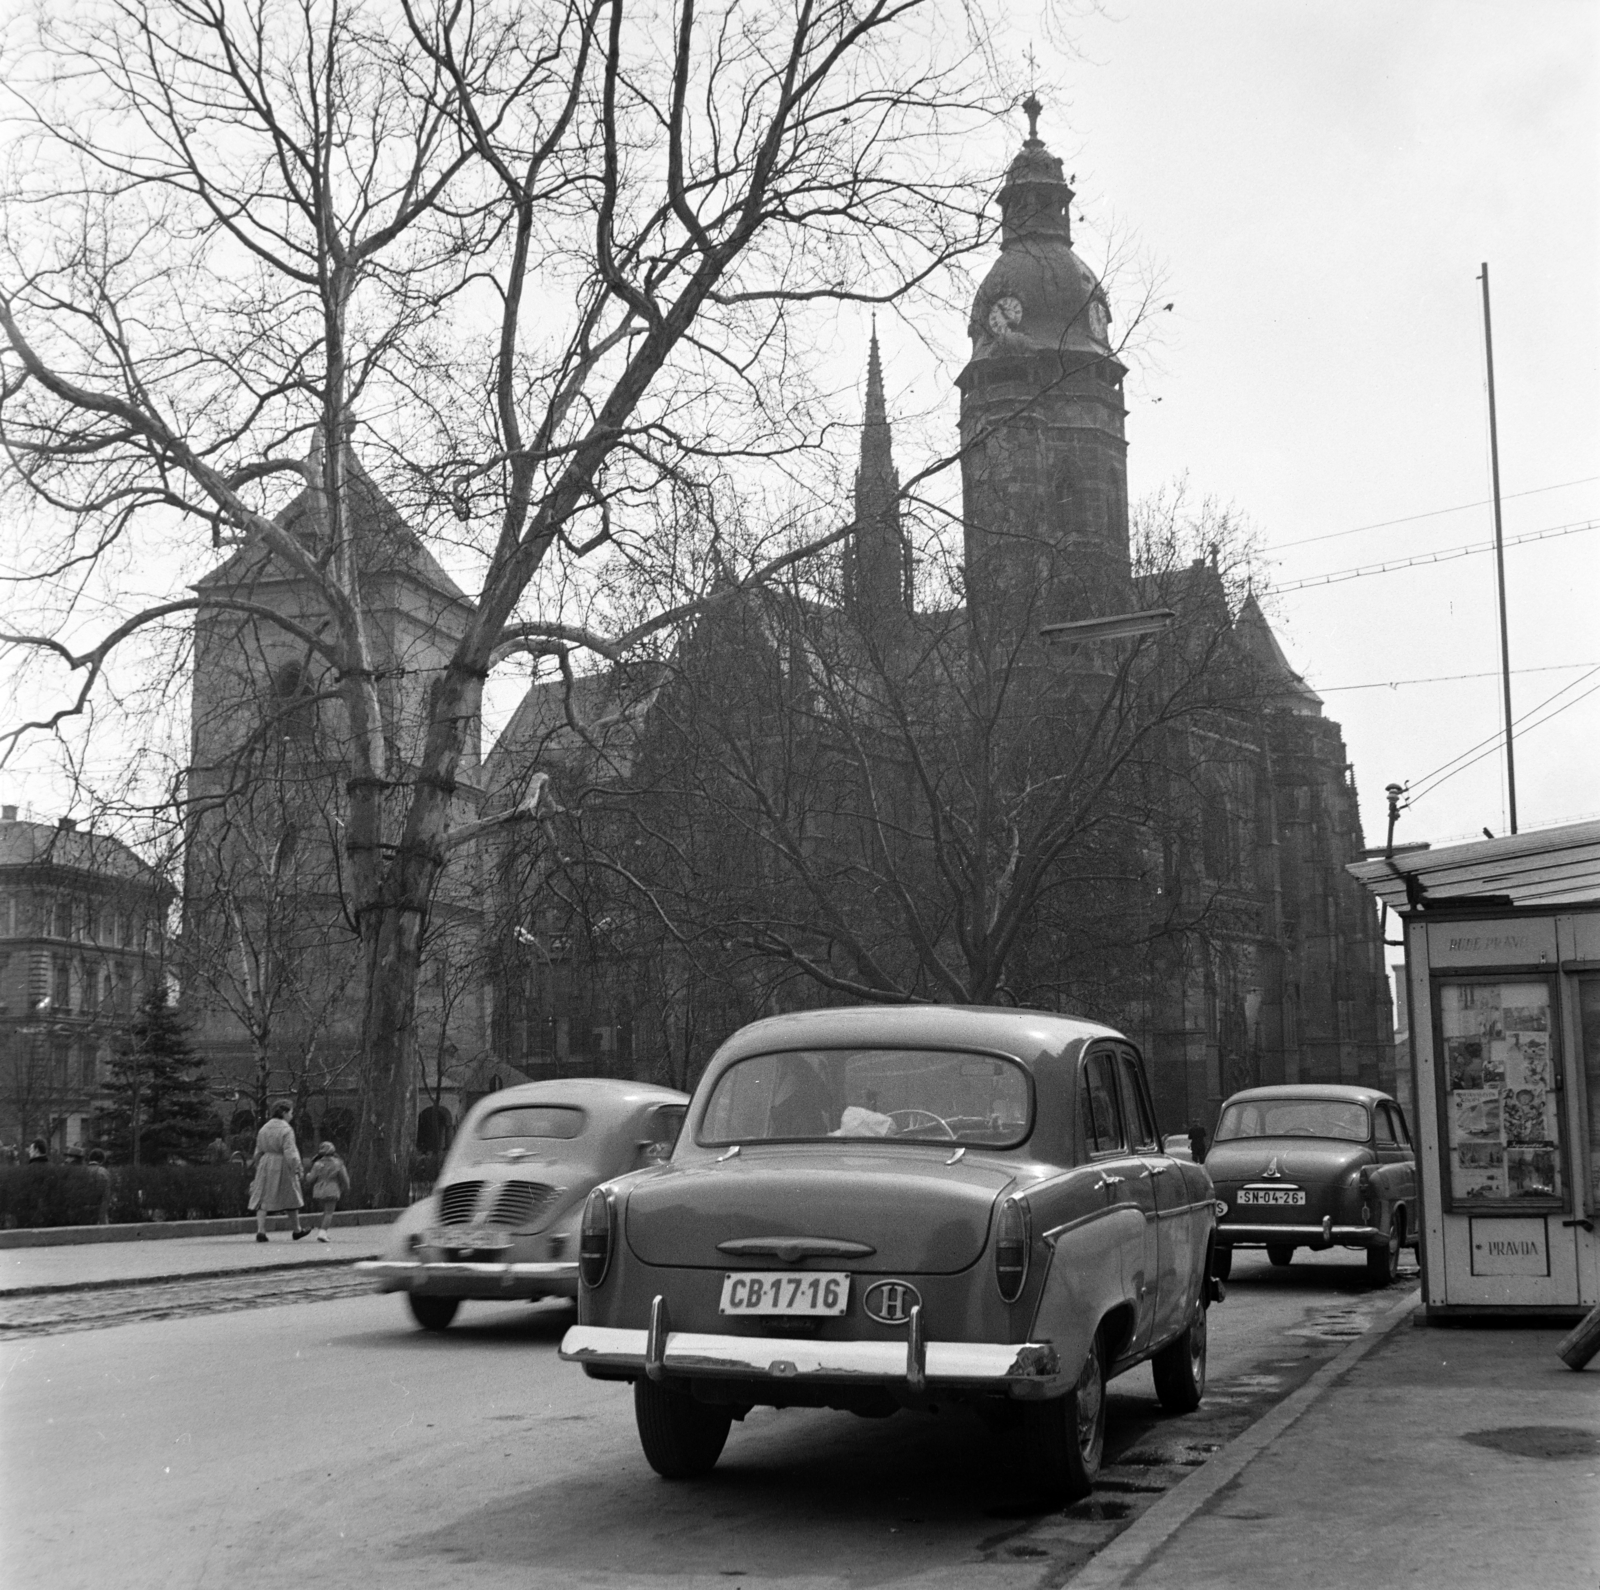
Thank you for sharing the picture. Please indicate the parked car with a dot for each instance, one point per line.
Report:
(502, 1219)
(1315, 1166)
(874, 1209)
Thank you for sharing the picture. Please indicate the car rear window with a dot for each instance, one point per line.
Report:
(534, 1120)
(919, 1095)
(1337, 1118)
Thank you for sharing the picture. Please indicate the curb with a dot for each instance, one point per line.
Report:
(122, 1283)
(1131, 1551)
(164, 1230)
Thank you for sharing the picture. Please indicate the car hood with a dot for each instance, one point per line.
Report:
(1298, 1159)
(914, 1210)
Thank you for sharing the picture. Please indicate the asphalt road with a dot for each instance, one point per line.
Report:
(234, 1440)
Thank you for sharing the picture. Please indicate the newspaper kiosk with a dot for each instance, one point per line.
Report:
(1502, 941)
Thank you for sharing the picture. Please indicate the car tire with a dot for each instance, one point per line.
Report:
(1280, 1254)
(432, 1313)
(682, 1438)
(1222, 1262)
(1383, 1264)
(1180, 1366)
(1064, 1438)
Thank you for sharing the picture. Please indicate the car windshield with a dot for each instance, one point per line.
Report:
(533, 1120)
(1338, 1118)
(925, 1095)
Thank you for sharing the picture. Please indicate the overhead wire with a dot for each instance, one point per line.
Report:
(1440, 679)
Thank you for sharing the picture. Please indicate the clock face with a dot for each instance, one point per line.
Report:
(1005, 314)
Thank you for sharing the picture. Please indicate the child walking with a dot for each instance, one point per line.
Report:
(329, 1180)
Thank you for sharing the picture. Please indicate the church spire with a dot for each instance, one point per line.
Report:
(877, 558)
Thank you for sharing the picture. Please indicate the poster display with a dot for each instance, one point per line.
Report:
(1501, 1120)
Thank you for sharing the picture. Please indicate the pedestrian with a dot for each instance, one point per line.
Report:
(97, 1169)
(276, 1188)
(329, 1180)
(38, 1154)
(74, 1155)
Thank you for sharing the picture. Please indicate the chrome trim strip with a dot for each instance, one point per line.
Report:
(463, 1270)
(792, 1249)
(1227, 1231)
(799, 1358)
(916, 1350)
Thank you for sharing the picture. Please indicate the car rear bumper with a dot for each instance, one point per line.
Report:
(1237, 1234)
(472, 1278)
(1028, 1369)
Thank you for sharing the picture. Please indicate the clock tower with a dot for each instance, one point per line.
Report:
(1044, 459)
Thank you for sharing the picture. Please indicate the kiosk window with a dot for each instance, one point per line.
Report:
(1497, 1077)
(1589, 1037)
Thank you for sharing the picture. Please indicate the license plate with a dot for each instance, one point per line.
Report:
(1271, 1195)
(470, 1237)
(785, 1292)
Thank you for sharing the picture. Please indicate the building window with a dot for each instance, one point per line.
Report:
(61, 996)
(61, 925)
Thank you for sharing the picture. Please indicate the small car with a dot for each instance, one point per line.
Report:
(1315, 1165)
(502, 1219)
(872, 1209)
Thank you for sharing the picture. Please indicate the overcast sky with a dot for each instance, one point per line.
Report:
(1319, 180)
(1320, 183)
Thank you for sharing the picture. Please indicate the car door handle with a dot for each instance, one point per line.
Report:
(1155, 1170)
(1107, 1181)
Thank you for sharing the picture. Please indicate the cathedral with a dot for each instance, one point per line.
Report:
(789, 808)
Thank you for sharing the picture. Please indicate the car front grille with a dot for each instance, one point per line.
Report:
(523, 1203)
(457, 1202)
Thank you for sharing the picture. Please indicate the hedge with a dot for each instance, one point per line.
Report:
(67, 1195)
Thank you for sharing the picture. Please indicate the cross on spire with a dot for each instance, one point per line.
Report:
(1032, 106)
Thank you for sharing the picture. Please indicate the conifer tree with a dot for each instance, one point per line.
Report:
(156, 1100)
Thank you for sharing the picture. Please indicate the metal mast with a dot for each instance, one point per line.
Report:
(1499, 556)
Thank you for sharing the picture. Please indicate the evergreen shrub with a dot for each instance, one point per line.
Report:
(66, 1195)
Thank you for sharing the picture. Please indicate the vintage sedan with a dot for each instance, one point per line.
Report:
(502, 1220)
(1315, 1165)
(875, 1209)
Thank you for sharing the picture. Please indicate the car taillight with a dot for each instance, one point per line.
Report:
(594, 1238)
(1011, 1249)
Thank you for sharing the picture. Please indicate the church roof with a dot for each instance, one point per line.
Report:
(1288, 690)
(385, 543)
(1038, 297)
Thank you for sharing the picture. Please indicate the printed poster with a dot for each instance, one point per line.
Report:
(1500, 1102)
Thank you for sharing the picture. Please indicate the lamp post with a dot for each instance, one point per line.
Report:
(1119, 626)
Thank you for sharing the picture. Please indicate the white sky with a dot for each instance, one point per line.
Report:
(1318, 181)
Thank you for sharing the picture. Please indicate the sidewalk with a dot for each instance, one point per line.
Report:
(1453, 1455)
(44, 1269)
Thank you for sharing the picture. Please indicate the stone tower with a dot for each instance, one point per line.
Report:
(877, 557)
(1044, 466)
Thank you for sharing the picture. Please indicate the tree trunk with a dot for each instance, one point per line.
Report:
(380, 1160)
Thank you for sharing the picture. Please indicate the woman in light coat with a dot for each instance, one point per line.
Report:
(276, 1188)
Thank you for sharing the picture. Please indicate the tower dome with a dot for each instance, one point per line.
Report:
(1039, 297)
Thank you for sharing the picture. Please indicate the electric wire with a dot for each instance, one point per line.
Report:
(1441, 679)
(1432, 513)
(1338, 576)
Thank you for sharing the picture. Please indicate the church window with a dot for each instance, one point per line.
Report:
(293, 709)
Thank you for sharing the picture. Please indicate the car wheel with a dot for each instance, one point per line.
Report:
(1383, 1264)
(682, 1438)
(1280, 1253)
(1064, 1438)
(1222, 1262)
(432, 1313)
(1180, 1367)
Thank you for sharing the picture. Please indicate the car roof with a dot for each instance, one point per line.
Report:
(597, 1093)
(1341, 1091)
(1028, 1034)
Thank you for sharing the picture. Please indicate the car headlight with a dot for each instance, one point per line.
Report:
(595, 1237)
(1011, 1245)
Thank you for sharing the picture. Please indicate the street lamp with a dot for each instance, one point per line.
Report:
(1120, 626)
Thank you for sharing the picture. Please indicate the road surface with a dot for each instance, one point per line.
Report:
(238, 1441)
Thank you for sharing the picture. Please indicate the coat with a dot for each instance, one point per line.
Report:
(328, 1177)
(277, 1161)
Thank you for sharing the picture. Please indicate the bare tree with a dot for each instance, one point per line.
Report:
(526, 263)
(890, 806)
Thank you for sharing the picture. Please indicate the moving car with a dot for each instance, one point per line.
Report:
(874, 1209)
(1315, 1166)
(502, 1219)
